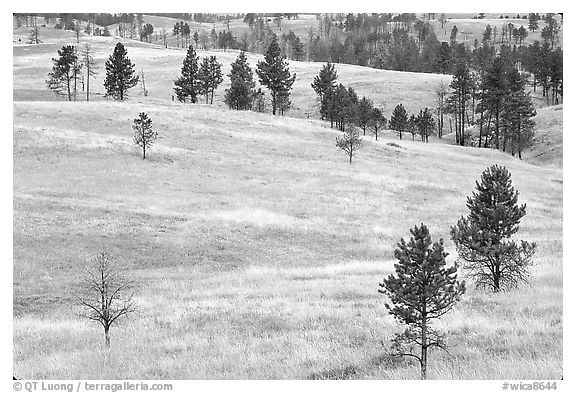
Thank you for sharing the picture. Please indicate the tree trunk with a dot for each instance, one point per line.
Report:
(107, 336)
(68, 86)
(144, 152)
(424, 349)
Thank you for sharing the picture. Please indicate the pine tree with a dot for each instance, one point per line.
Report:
(517, 113)
(187, 85)
(365, 109)
(62, 75)
(350, 142)
(88, 62)
(399, 120)
(425, 124)
(483, 238)
(119, 74)
(533, 22)
(209, 77)
(422, 290)
(325, 80)
(273, 73)
(412, 126)
(241, 92)
(377, 121)
(461, 86)
(144, 136)
(453, 34)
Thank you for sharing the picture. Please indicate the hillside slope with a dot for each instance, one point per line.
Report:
(256, 248)
(162, 66)
(548, 138)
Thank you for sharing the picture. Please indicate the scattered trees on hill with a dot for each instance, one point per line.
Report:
(349, 142)
(144, 135)
(273, 73)
(119, 74)
(505, 108)
(187, 84)
(422, 290)
(399, 120)
(106, 295)
(209, 77)
(339, 105)
(64, 72)
(483, 238)
(87, 58)
(241, 93)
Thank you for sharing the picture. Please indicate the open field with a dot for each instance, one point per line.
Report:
(256, 248)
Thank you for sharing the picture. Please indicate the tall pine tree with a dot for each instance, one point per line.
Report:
(399, 120)
(422, 290)
(484, 238)
(187, 85)
(210, 77)
(242, 87)
(273, 73)
(119, 74)
(62, 75)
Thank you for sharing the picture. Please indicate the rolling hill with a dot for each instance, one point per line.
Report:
(256, 248)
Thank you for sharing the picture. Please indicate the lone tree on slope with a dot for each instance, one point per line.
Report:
(62, 76)
(422, 290)
(144, 136)
(106, 294)
(187, 85)
(273, 73)
(119, 74)
(350, 142)
(483, 239)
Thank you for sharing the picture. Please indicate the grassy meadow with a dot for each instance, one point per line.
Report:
(256, 248)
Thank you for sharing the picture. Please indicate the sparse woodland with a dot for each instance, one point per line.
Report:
(417, 320)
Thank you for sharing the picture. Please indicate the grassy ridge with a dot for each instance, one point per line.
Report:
(257, 248)
(162, 67)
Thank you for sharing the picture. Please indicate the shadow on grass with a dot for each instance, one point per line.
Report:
(353, 371)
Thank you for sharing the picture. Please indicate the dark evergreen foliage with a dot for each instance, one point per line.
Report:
(62, 75)
(241, 92)
(399, 120)
(119, 74)
(187, 85)
(422, 290)
(209, 77)
(273, 73)
(484, 238)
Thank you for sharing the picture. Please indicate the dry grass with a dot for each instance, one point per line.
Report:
(162, 67)
(257, 248)
(547, 149)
